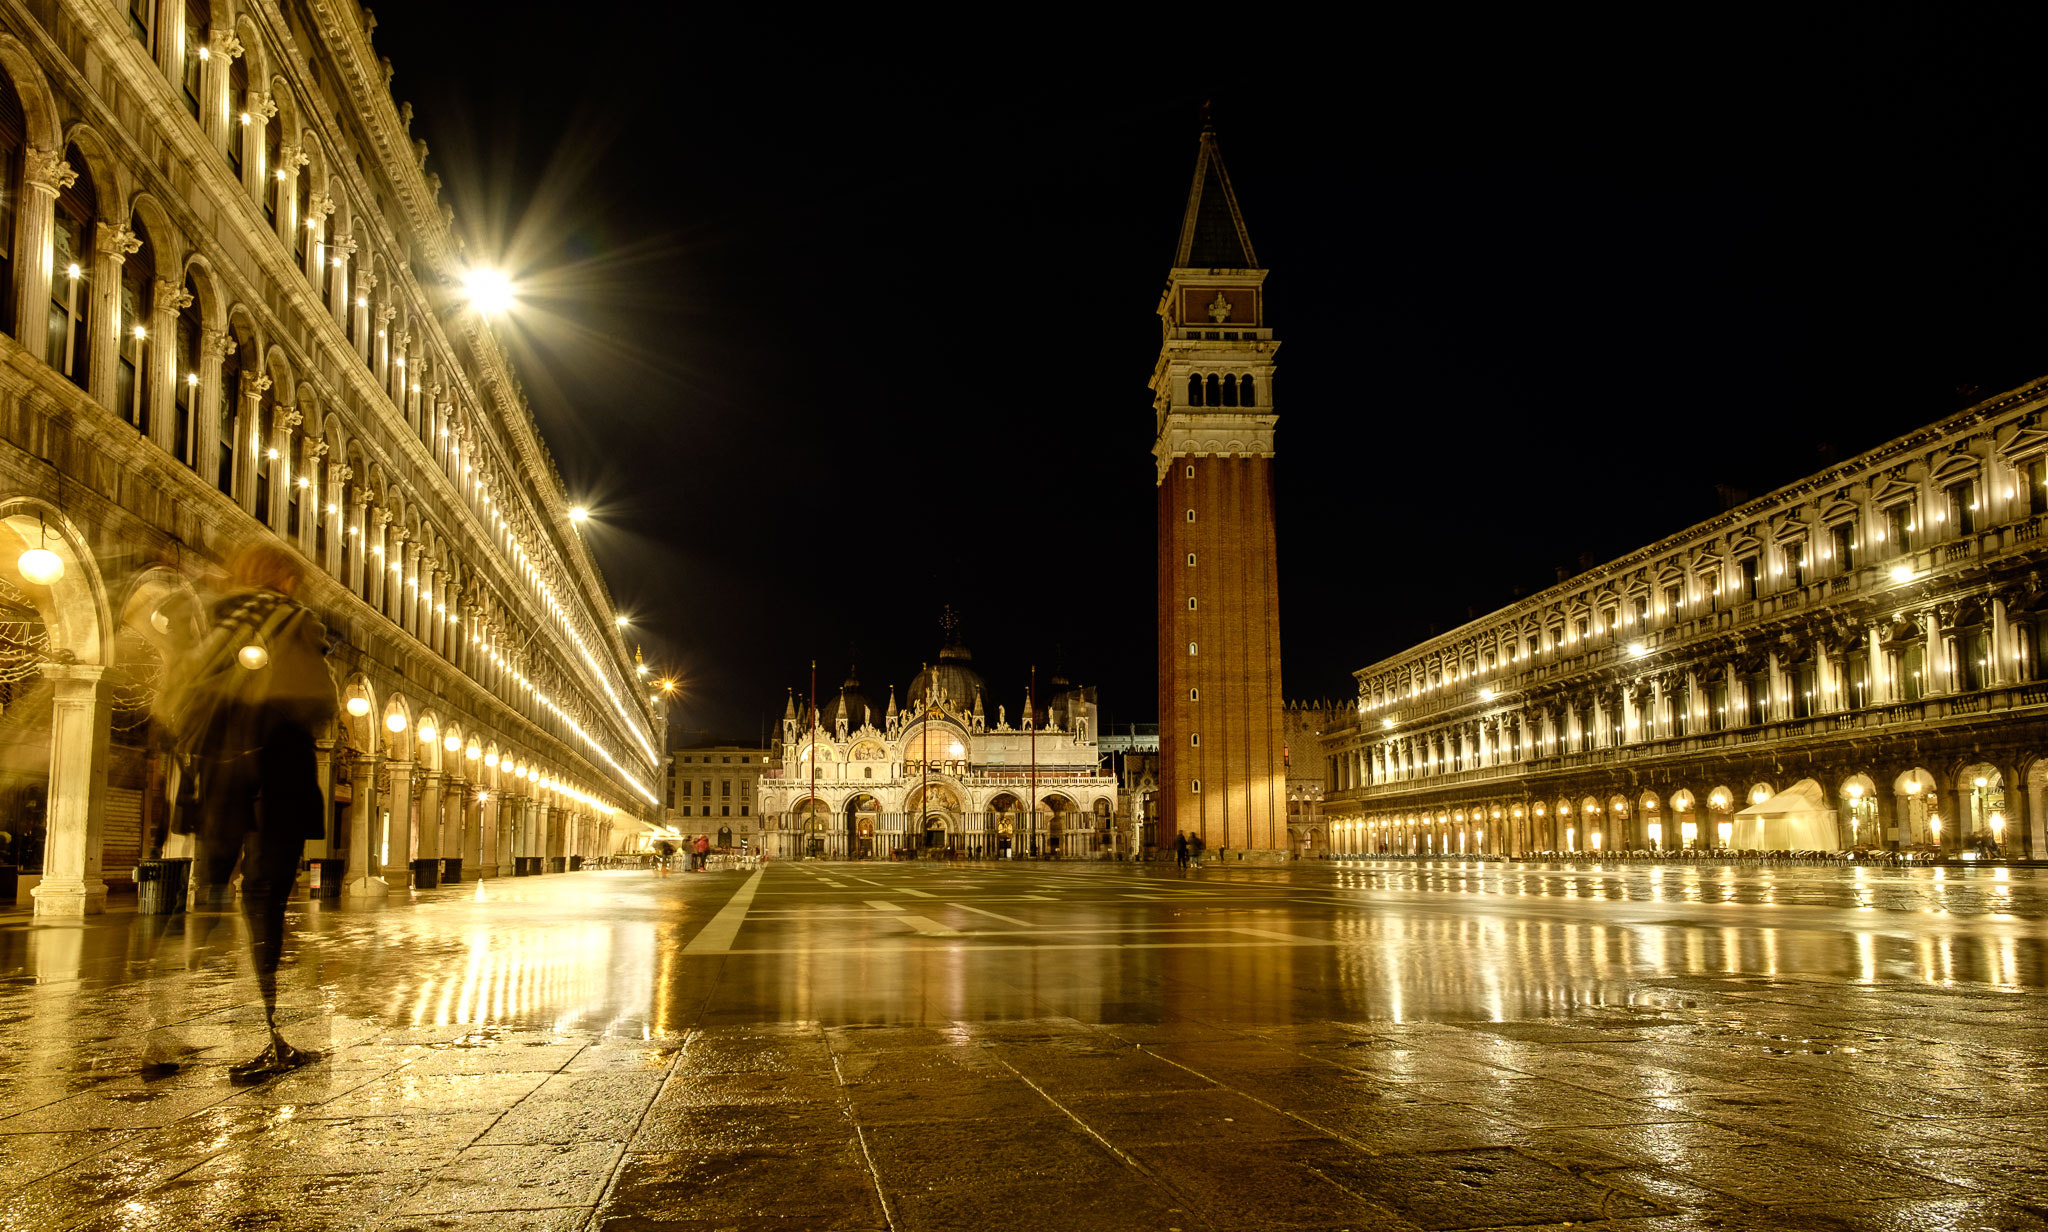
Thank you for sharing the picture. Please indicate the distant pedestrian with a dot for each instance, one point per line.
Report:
(1195, 848)
(1180, 851)
(244, 712)
(703, 852)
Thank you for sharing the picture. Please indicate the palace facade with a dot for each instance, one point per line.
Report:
(939, 777)
(230, 297)
(1859, 659)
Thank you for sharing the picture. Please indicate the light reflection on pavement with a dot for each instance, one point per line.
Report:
(1553, 1042)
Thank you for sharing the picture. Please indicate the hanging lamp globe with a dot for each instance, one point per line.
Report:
(40, 567)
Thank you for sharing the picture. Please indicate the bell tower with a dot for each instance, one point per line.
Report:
(1222, 740)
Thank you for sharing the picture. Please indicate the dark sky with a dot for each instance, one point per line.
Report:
(836, 326)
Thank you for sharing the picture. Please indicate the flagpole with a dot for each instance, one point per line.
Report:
(1031, 712)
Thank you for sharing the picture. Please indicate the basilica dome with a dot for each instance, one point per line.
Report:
(953, 676)
(858, 708)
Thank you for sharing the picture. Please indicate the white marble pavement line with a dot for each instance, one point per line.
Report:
(716, 937)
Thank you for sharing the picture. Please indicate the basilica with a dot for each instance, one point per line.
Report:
(939, 775)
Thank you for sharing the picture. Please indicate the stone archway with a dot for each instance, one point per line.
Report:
(54, 583)
(862, 817)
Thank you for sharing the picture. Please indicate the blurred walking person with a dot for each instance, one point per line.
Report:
(250, 700)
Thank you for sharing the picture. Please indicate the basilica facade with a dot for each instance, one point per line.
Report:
(1859, 659)
(940, 775)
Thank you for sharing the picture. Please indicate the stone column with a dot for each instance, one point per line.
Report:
(44, 175)
(79, 732)
(398, 874)
(245, 443)
(167, 300)
(543, 834)
(339, 250)
(365, 877)
(283, 468)
(318, 206)
(472, 848)
(380, 352)
(222, 49)
(505, 811)
(376, 566)
(255, 149)
(323, 764)
(113, 243)
(2022, 828)
(430, 813)
(312, 505)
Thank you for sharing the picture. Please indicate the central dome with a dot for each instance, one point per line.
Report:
(953, 676)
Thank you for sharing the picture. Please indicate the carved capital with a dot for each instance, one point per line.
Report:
(366, 281)
(171, 296)
(115, 241)
(342, 473)
(262, 107)
(318, 449)
(400, 535)
(383, 518)
(254, 385)
(288, 417)
(340, 246)
(319, 205)
(217, 343)
(47, 170)
(365, 497)
(384, 316)
(222, 42)
(290, 158)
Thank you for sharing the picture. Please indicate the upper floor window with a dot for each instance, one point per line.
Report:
(1962, 507)
(70, 298)
(13, 144)
(142, 22)
(1795, 563)
(239, 119)
(198, 14)
(1842, 544)
(1748, 566)
(1898, 526)
(1671, 601)
(2035, 473)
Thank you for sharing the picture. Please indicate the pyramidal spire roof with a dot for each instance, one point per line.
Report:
(1212, 234)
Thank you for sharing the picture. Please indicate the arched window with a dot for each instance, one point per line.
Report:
(70, 302)
(1215, 397)
(1195, 389)
(239, 118)
(198, 15)
(1230, 391)
(186, 393)
(1245, 394)
(131, 392)
(13, 141)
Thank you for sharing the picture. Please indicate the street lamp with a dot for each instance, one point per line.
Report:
(489, 291)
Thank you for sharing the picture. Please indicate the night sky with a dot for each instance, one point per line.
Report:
(836, 326)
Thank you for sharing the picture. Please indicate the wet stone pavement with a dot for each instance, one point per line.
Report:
(1363, 1046)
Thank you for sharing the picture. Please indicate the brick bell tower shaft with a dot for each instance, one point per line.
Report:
(1222, 750)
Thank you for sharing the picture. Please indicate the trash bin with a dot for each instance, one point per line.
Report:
(426, 874)
(575, 864)
(161, 886)
(451, 871)
(325, 877)
(557, 864)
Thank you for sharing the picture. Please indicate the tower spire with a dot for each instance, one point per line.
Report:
(1212, 231)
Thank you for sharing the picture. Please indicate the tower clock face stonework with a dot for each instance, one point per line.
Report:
(1222, 741)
